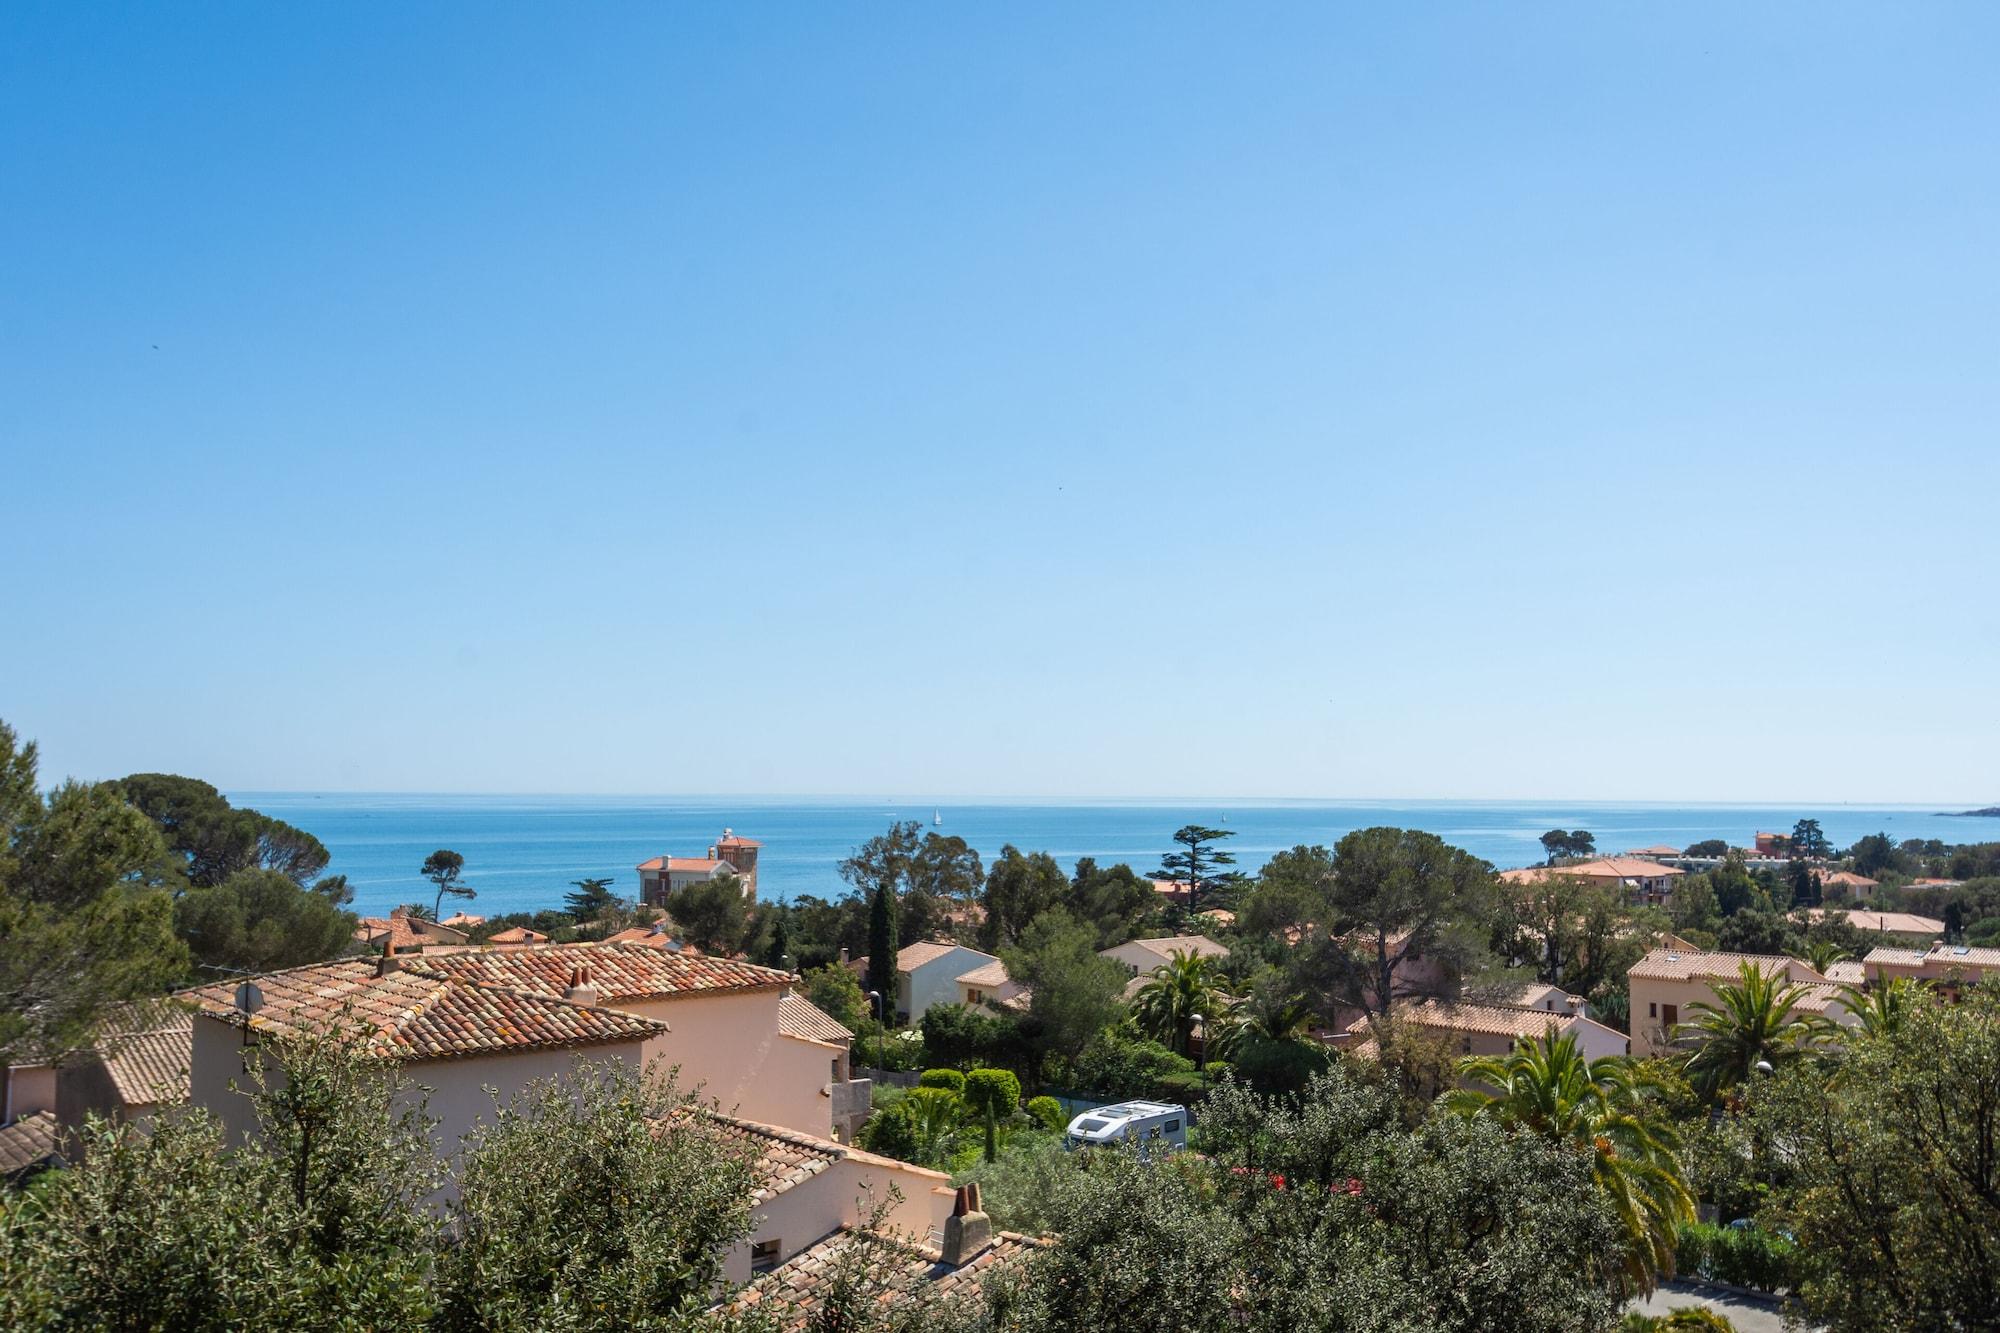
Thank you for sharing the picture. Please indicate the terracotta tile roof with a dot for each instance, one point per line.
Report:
(1657, 849)
(792, 1295)
(1497, 1020)
(1895, 957)
(800, 1017)
(1821, 996)
(149, 1058)
(737, 840)
(517, 935)
(1850, 879)
(989, 976)
(1943, 955)
(1847, 972)
(28, 1142)
(1527, 995)
(410, 1014)
(785, 1158)
(1674, 965)
(1201, 946)
(913, 956)
(1888, 923)
(619, 971)
(409, 935)
(463, 921)
(1605, 867)
(652, 937)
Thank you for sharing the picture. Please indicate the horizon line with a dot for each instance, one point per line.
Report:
(1020, 799)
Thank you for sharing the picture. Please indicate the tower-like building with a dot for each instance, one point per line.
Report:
(729, 854)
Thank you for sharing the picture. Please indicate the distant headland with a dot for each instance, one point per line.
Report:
(1987, 812)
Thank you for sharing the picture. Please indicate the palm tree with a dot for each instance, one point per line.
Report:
(1883, 1008)
(1271, 1013)
(1823, 954)
(1179, 988)
(1755, 1020)
(1602, 1106)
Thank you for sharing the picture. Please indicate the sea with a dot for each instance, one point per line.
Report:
(522, 852)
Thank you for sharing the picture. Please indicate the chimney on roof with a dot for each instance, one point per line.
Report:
(968, 1230)
(1575, 1002)
(843, 955)
(388, 962)
(580, 990)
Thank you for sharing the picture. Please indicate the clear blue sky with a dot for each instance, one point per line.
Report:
(1311, 400)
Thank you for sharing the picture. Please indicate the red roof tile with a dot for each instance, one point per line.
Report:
(148, 1053)
(409, 1014)
(793, 1295)
(29, 1141)
(800, 1017)
(620, 971)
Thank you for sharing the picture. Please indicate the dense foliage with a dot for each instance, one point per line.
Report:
(86, 907)
(1883, 1166)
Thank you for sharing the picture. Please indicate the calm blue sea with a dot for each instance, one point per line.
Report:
(522, 851)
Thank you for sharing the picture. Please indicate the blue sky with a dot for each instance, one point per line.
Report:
(1385, 401)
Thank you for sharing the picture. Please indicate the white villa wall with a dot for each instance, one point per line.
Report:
(454, 1091)
(845, 1194)
(936, 982)
(728, 1043)
(31, 1089)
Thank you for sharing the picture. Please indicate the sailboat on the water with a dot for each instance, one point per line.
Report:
(937, 816)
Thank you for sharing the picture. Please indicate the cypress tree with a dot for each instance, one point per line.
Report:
(882, 950)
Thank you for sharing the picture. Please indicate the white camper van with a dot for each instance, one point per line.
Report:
(1140, 1123)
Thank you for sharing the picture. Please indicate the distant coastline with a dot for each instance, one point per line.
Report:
(1985, 812)
(524, 853)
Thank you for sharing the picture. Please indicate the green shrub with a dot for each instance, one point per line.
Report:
(1270, 1066)
(992, 1094)
(957, 1035)
(942, 1078)
(1119, 1067)
(1188, 1088)
(892, 1132)
(1048, 1113)
(1741, 1256)
(899, 1051)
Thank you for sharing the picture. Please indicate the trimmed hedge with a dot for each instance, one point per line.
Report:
(1740, 1256)
(942, 1078)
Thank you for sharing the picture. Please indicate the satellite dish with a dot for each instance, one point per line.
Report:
(248, 998)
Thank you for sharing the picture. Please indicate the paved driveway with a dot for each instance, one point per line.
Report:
(1749, 1314)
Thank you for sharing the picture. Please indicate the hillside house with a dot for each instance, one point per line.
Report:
(1666, 984)
(730, 854)
(726, 1021)
(1140, 957)
(1642, 883)
(1946, 966)
(808, 1188)
(1479, 1028)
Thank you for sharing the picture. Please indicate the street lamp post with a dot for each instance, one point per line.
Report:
(881, 1029)
(1201, 1068)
